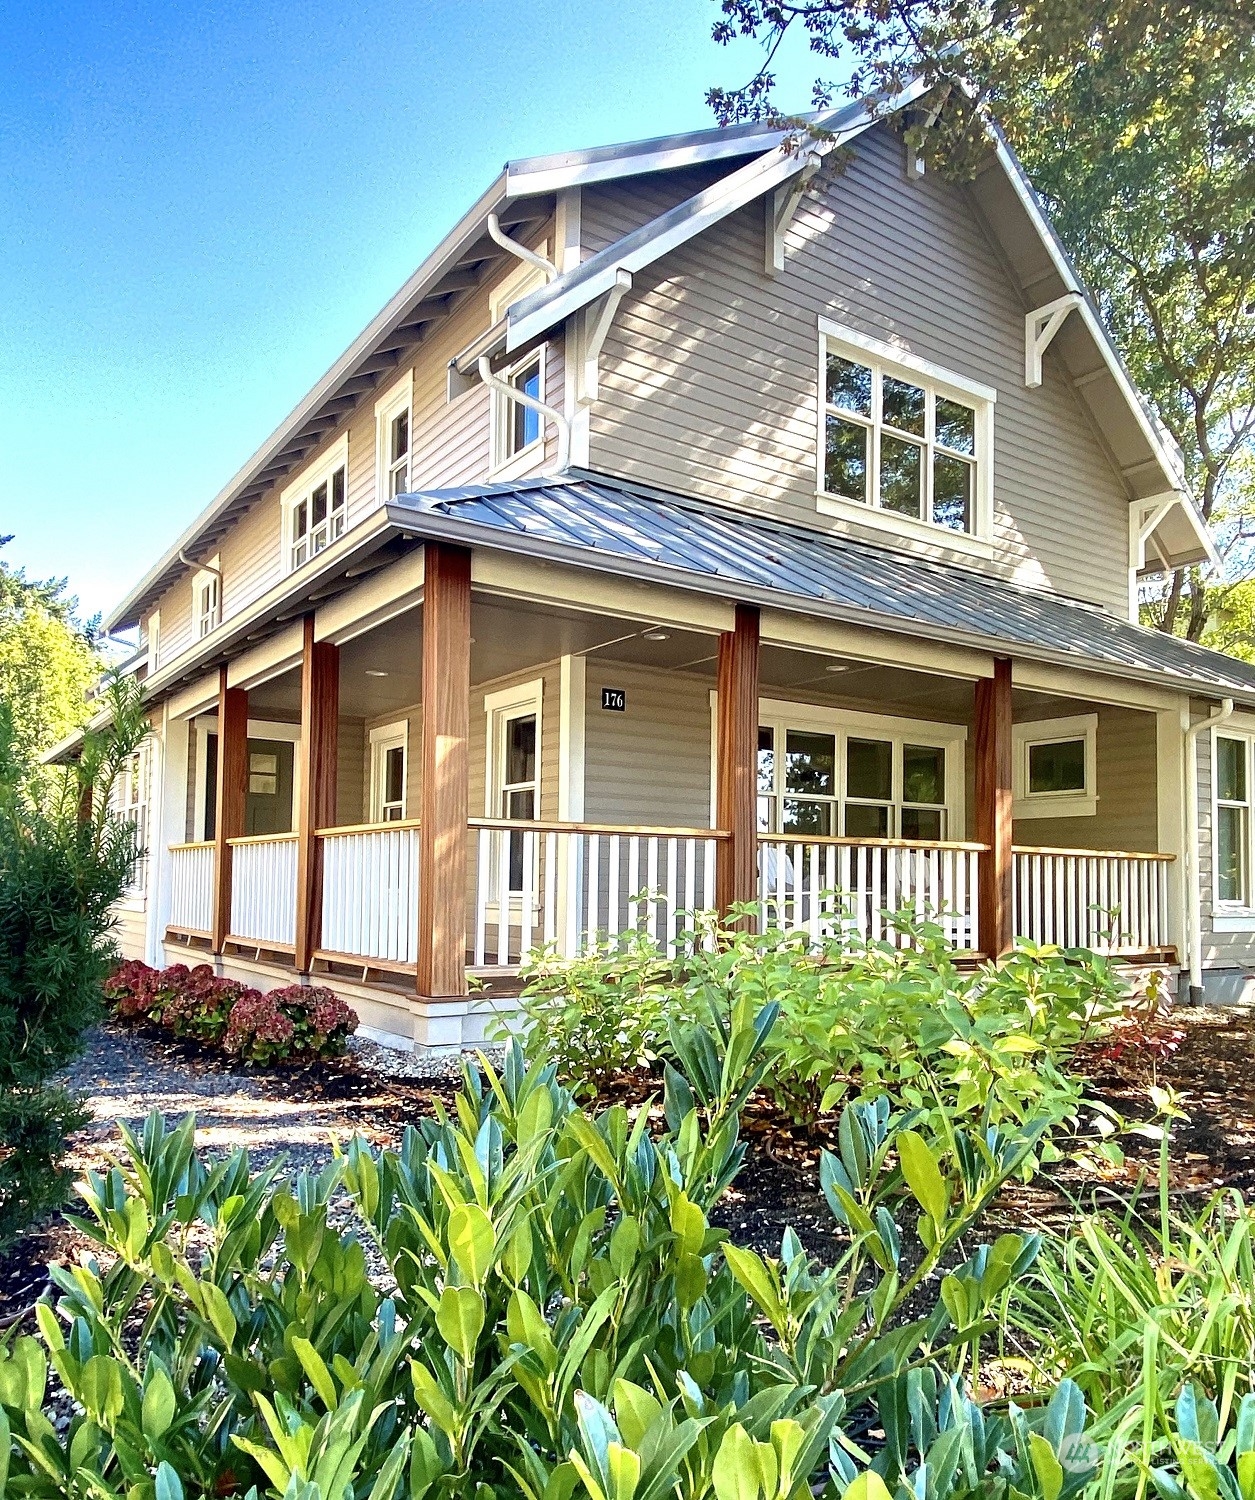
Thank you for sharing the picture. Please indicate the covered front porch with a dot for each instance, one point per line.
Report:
(416, 800)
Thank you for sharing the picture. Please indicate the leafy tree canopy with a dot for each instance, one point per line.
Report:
(48, 660)
(1136, 122)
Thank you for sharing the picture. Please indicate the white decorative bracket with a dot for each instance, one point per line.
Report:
(1145, 517)
(780, 207)
(598, 317)
(1040, 328)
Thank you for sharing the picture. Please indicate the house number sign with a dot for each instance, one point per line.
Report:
(614, 699)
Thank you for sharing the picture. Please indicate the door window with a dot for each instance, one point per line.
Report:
(518, 787)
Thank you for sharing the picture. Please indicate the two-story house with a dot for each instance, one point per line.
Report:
(710, 520)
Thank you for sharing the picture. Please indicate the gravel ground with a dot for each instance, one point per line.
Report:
(272, 1113)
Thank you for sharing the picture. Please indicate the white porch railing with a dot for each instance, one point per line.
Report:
(570, 884)
(370, 892)
(1110, 901)
(263, 890)
(823, 885)
(192, 888)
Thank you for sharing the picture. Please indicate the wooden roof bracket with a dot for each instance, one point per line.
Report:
(596, 320)
(780, 206)
(1040, 327)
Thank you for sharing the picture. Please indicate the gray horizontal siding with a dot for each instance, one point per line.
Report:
(709, 377)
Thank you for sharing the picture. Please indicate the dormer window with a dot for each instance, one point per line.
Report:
(207, 599)
(902, 444)
(314, 507)
(394, 439)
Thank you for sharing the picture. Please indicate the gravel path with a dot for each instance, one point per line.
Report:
(125, 1075)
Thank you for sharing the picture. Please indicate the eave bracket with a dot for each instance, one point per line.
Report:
(1040, 327)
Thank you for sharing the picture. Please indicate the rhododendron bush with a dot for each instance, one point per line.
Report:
(295, 1024)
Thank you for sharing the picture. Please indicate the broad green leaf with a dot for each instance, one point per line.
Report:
(218, 1311)
(922, 1174)
(460, 1319)
(158, 1405)
(735, 1471)
(867, 1486)
(315, 1368)
(1046, 1466)
(167, 1485)
(472, 1241)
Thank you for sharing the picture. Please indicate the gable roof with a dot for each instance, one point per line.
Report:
(761, 158)
(610, 525)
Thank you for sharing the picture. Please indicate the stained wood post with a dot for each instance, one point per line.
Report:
(444, 803)
(736, 762)
(993, 806)
(319, 759)
(232, 792)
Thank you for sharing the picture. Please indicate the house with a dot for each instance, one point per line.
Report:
(709, 520)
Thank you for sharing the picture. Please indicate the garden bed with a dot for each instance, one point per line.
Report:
(294, 1112)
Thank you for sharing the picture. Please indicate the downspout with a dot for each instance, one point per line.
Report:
(512, 393)
(1194, 903)
(500, 237)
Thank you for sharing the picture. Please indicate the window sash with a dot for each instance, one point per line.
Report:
(876, 429)
(1232, 851)
(317, 519)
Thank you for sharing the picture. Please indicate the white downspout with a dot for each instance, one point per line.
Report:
(512, 393)
(1194, 901)
(500, 237)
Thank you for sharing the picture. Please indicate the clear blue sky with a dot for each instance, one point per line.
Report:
(200, 206)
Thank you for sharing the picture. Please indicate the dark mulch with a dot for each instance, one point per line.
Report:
(294, 1114)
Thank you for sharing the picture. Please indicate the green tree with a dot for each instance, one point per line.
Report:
(48, 660)
(64, 861)
(1136, 122)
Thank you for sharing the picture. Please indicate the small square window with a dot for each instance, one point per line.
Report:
(1056, 767)
(1055, 764)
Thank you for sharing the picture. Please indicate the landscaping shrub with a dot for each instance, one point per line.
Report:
(296, 1024)
(60, 874)
(857, 1018)
(552, 1315)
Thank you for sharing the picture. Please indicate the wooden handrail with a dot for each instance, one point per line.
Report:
(624, 830)
(263, 838)
(849, 841)
(340, 830)
(1092, 853)
(193, 844)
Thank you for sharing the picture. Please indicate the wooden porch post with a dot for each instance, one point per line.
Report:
(736, 776)
(993, 806)
(319, 755)
(444, 804)
(232, 792)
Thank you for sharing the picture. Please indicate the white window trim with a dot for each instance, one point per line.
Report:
(385, 737)
(892, 359)
(258, 729)
(1233, 916)
(210, 575)
(398, 398)
(522, 280)
(154, 639)
(308, 480)
(1028, 804)
(783, 713)
(511, 466)
(500, 707)
(122, 805)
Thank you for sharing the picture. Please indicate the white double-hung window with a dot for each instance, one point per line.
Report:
(1231, 759)
(207, 598)
(394, 438)
(903, 444)
(314, 506)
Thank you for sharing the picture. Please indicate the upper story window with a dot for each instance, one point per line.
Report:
(207, 599)
(518, 430)
(314, 506)
(902, 443)
(394, 438)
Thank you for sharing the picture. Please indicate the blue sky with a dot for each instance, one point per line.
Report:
(202, 205)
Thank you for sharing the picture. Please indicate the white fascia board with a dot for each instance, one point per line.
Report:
(532, 316)
(455, 243)
(549, 174)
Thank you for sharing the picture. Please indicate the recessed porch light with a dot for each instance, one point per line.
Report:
(837, 666)
(657, 635)
(374, 672)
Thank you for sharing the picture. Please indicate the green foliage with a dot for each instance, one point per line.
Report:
(856, 1017)
(60, 873)
(47, 662)
(552, 1315)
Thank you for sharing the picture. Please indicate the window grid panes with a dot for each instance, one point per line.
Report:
(317, 518)
(522, 426)
(518, 787)
(207, 605)
(399, 453)
(1233, 821)
(814, 783)
(896, 443)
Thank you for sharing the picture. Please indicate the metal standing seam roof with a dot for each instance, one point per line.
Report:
(613, 526)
